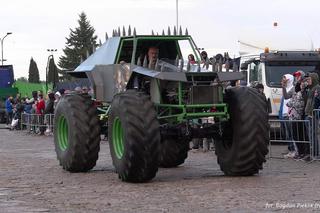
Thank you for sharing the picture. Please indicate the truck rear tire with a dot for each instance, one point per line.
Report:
(134, 136)
(173, 153)
(76, 133)
(244, 143)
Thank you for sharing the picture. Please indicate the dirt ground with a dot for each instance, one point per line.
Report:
(32, 181)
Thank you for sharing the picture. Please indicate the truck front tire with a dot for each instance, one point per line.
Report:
(243, 146)
(76, 133)
(134, 136)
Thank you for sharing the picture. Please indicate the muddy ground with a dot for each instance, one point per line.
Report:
(32, 181)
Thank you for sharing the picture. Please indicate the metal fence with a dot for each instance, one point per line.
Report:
(290, 132)
(296, 132)
(38, 124)
(316, 134)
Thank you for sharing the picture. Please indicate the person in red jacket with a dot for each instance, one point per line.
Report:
(40, 106)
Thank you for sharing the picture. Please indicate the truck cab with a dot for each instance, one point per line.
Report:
(269, 67)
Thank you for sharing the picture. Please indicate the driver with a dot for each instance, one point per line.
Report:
(153, 53)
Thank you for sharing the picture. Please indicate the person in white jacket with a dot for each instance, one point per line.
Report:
(287, 90)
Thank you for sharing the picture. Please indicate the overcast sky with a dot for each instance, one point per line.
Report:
(38, 25)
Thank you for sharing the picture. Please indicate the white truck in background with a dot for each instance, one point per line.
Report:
(266, 55)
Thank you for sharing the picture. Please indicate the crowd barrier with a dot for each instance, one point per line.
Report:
(297, 131)
(316, 134)
(36, 123)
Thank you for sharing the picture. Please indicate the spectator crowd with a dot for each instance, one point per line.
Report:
(32, 111)
(301, 96)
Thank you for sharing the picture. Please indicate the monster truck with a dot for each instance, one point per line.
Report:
(149, 114)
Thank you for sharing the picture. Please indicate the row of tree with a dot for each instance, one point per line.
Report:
(79, 45)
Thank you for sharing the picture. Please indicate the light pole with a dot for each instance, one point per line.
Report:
(8, 33)
(48, 65)
(177, 15)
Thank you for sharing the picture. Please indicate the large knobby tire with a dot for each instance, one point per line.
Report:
(76, 133)
(173, 153)
(244, 144)
(134, 136)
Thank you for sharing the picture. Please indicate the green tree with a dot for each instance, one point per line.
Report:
(33, 72)
(81, 43)
(52, 72)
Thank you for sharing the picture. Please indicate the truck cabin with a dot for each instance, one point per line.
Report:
(170, 47)
(285, 62)
(269, 67)
(279, 63)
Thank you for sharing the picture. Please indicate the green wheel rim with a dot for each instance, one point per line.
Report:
(63, 133)
(117, 138)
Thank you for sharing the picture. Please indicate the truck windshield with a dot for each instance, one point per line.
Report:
(275, 71)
